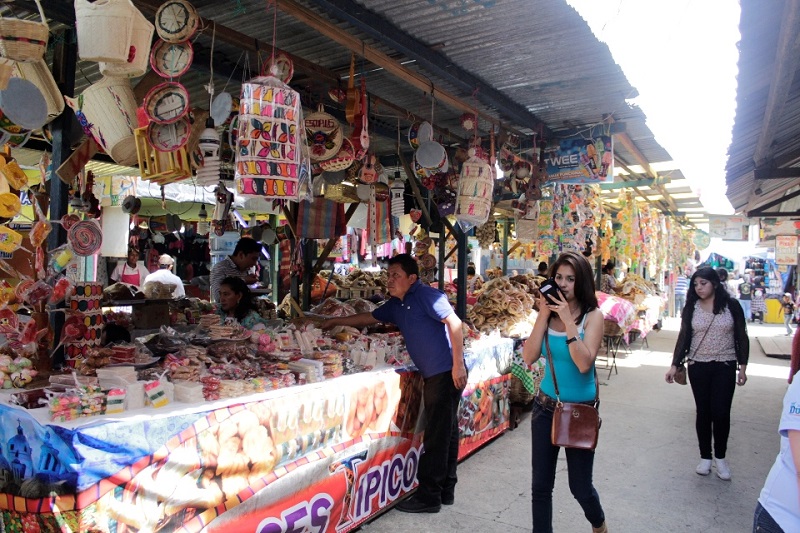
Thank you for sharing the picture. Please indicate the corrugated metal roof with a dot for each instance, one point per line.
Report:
(539, 53)
(760, 27)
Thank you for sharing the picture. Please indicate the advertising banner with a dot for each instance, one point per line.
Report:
(581, 161)
(729, 228)
(786, 249)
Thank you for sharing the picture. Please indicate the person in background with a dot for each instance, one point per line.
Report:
(681, 286)
(435, 343)
(574, 326)
(787, 306)
(236, 302)
(542, 269)
(240, 264)
(723, 279)
(713, 340)
(164, 275)
(778, 508)
(132, 271)
(474, 282)
(758, 306)
(607, 281)
(746, 296)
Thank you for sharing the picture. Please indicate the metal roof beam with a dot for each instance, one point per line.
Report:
(434, 62)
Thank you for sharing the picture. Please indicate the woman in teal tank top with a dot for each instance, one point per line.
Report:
(574, 325)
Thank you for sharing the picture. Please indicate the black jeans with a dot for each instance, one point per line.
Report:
(713, 385)
(437, 466)
(580, 464)
(763, 521)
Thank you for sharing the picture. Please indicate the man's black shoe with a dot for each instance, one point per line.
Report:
(415, 505)
(448, 499)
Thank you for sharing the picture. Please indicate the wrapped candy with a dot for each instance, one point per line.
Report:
(10, 240)
(60, 257)
(39, 233)
(38, 292)
(115, 402)
(156, 393)
(61, 290)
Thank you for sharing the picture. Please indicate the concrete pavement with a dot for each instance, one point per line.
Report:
(644, 467)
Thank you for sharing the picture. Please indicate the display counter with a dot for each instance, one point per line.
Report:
(327, 456)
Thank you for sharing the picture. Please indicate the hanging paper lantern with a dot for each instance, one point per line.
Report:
(475, 186)
(269, 158)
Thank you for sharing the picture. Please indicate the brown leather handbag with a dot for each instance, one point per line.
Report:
(575, 425)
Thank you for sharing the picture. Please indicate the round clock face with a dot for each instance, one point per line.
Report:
(171, 60)
(169, 137)
(166, 103)
(176, 21)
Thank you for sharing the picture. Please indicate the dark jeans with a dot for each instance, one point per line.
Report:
(437, 466)
(713, 385)
(763, 522)
(580, 464)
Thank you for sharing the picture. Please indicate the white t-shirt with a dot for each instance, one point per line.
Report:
(163, 275)
(779, 495)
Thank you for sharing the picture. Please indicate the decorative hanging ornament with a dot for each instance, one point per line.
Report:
(176, 21)
(169, 137)
(281, 67)
(323, 135)
(468, 121)
(171, 60)
(166, 103)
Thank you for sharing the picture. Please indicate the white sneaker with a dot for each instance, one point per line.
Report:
(704, 467)
(723, 470)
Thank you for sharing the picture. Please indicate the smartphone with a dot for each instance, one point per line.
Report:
(550, 291)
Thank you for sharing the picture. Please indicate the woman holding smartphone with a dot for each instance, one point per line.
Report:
(713, 339)
(570, 317)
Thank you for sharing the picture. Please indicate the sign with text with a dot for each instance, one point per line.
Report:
(729, 228)
(772, 227)
(581, 160)
(786, 249)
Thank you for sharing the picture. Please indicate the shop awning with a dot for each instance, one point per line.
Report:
(762, 171)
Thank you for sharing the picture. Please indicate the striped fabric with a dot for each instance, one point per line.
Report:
(681, 285)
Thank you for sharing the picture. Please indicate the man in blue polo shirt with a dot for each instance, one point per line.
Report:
(433, 336)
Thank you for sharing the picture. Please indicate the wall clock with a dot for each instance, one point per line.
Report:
(169, 137)
(166, 102)
(171, 60)
(176, 21)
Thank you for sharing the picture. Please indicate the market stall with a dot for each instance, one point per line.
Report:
(334, 452)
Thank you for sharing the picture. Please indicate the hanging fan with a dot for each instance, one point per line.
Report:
(131, 205)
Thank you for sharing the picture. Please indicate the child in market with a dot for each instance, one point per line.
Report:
(788, 312)
(758, 306)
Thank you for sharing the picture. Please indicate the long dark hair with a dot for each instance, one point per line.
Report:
(584, 280)
(246, 304)
(721, 296)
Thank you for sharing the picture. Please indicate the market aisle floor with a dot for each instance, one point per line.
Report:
(644, 467)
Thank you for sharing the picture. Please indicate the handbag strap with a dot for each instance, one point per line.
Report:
(704, 337)
(553, 370)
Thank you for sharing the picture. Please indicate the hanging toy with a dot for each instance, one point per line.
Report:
(222, 209)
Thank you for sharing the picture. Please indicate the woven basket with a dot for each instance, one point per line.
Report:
(6, 71)
(105, 29)
(139, 56)
(24, 40)
(109, 108)
(38, 73)
(611, 329)
(517, 393)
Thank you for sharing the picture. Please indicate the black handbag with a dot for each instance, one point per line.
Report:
(575, 425)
